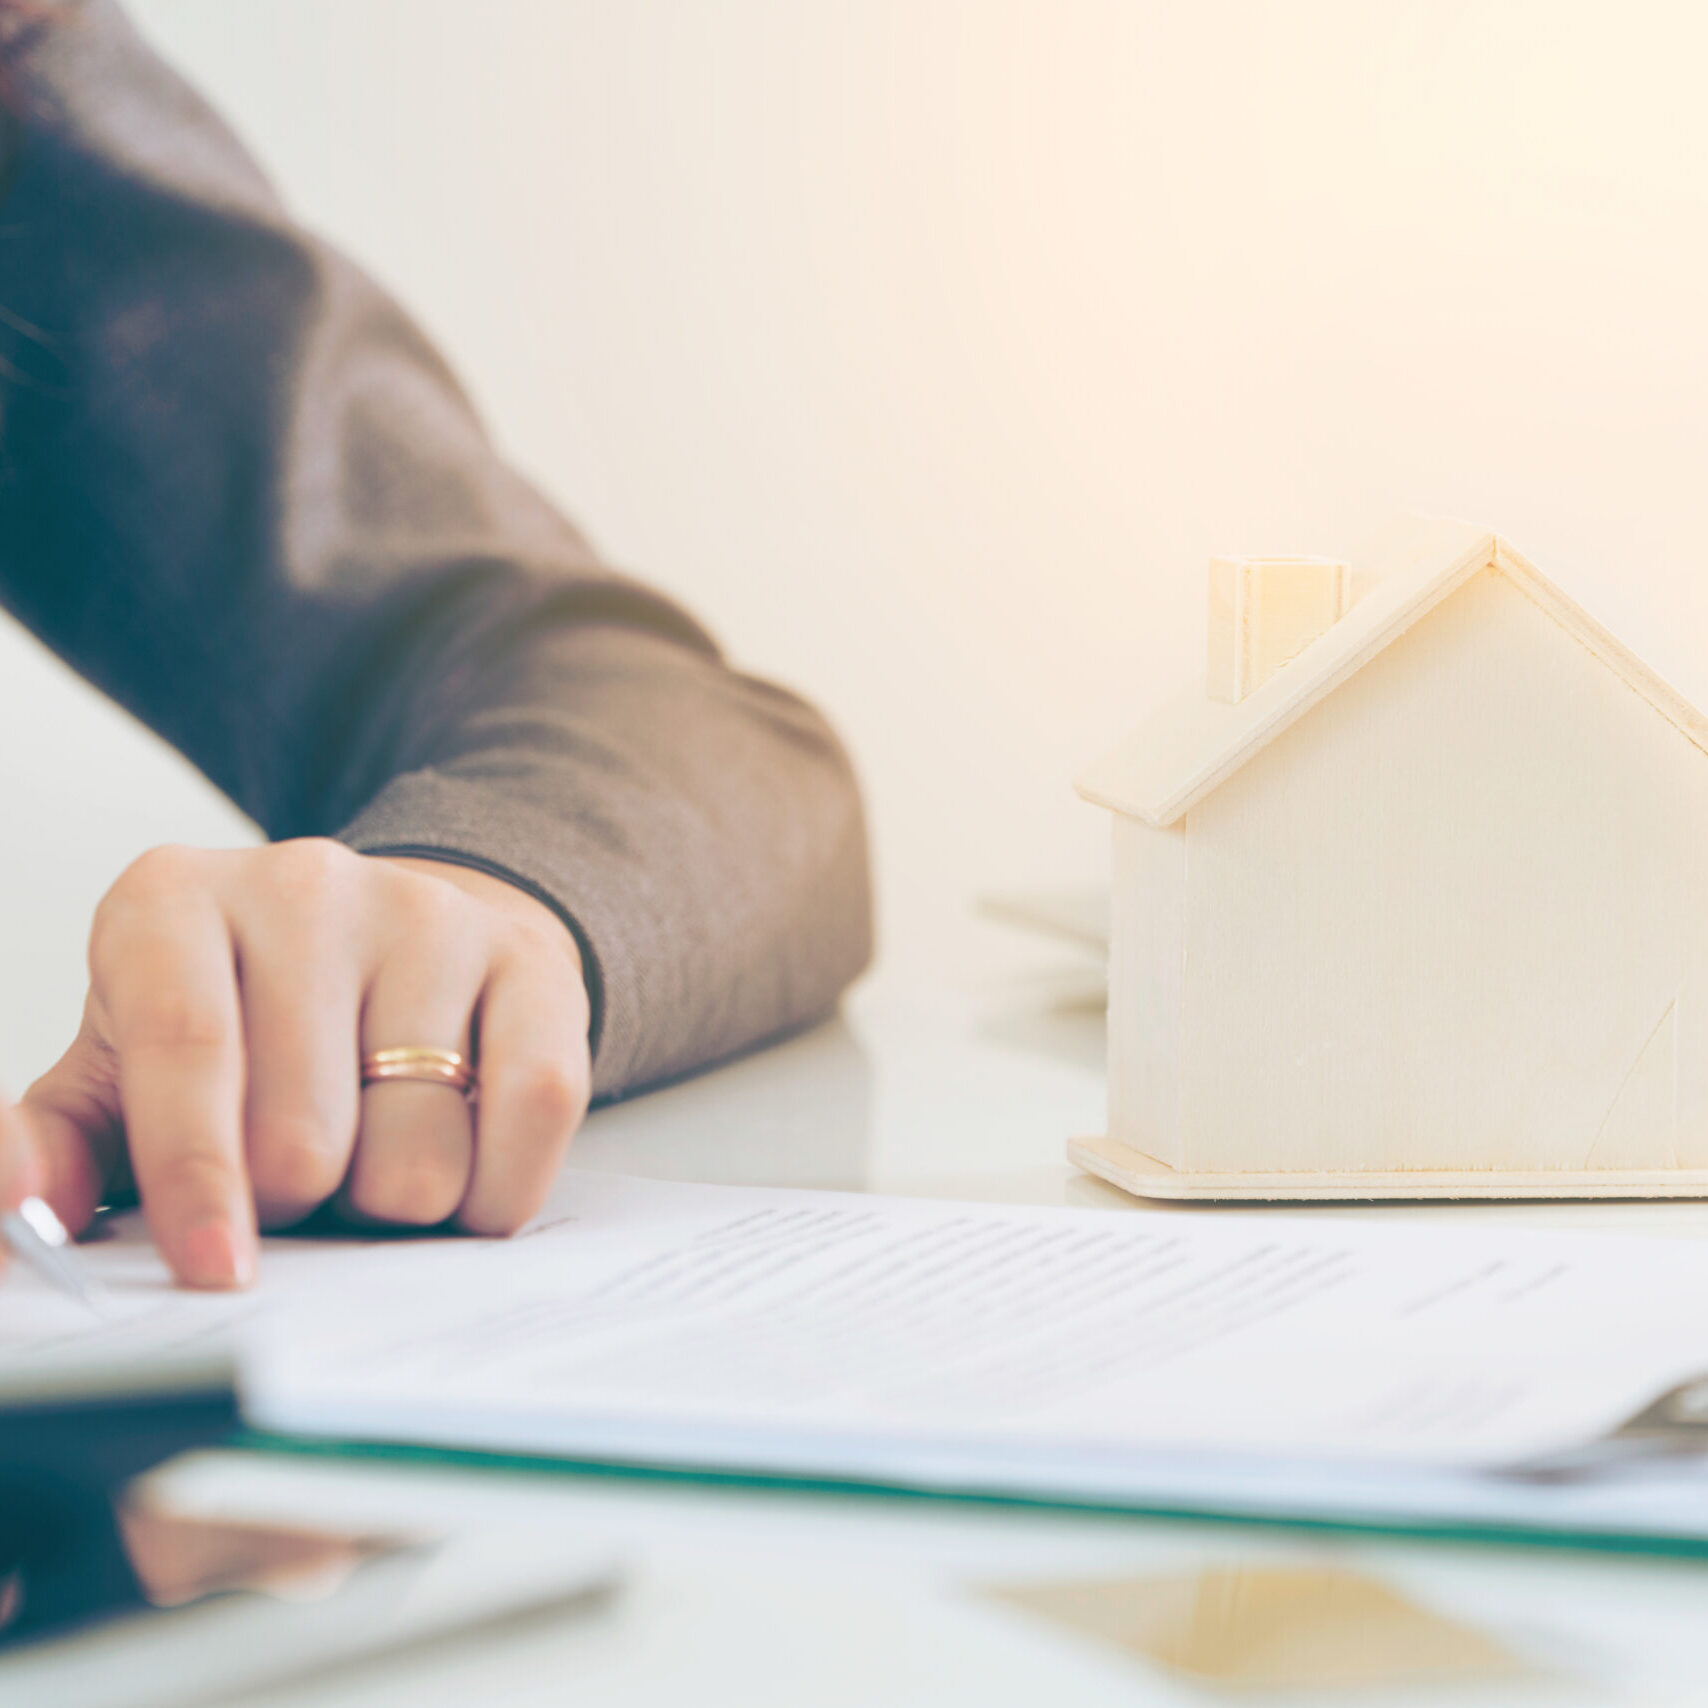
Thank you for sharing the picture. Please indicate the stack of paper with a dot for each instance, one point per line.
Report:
(1299, 1366)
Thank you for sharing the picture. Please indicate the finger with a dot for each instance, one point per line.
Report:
(16, 1174)
(162, 963)
(535, 1079)
(19, 1172)
(415, 1143)
(300, 981)
(73, 1121)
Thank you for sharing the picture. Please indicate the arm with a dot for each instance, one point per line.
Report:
(242, 495)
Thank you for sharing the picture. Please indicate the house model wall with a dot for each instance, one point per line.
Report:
(1425, 912)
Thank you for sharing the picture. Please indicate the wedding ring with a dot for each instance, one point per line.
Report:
(432, 1067)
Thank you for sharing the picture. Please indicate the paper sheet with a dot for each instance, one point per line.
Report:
(670, 1314)
(944, 1344)
(143, 1316)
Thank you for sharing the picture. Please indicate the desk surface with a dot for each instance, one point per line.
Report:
(963, 1088)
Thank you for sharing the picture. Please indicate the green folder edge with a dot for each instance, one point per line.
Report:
(1589, 1541)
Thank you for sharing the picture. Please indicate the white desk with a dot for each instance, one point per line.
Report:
(758, 1597)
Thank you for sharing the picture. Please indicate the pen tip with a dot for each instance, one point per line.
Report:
(39, 1214)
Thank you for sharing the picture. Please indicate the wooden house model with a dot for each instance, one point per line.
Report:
(1411, 900)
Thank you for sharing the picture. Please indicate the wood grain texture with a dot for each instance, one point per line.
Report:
(1263, 613)
(1191, 745)
(1455, 918)
(1147, 984)
(1436, 923)
(1145, 1177)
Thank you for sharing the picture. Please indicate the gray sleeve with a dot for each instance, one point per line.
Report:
(241, 494)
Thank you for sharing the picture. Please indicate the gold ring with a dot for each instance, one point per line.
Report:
(433, 1067)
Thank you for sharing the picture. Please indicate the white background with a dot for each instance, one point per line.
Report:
(927, 349)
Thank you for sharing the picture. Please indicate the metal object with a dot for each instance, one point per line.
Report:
(39, 1238)
(431, 1066)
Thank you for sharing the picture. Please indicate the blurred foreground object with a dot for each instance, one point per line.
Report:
(111, 1599)
(73, 1436)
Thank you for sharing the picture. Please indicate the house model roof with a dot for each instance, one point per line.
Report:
(1192, 745)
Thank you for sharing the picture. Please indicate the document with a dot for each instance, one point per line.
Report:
(142, 1317)
(1136, 1357)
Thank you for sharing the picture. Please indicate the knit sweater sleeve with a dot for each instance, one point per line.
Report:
(242, 494)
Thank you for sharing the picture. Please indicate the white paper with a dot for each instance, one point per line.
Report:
(1237, 1361)
(142, 1315)
(656, 1319)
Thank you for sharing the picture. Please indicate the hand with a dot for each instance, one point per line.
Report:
(17, 1163)
(231, 998)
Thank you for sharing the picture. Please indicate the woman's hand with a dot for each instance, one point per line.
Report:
(232, 996)
(17, 1165)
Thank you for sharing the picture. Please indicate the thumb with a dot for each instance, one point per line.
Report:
(73, 1137)
(20, 1169)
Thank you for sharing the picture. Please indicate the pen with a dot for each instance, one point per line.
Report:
(37, 1236)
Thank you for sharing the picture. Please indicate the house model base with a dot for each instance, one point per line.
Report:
(1143, 1176)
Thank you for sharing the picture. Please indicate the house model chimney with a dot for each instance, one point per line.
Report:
(1265, 611)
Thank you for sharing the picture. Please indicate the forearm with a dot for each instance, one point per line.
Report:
(243, 495)
(701, 833)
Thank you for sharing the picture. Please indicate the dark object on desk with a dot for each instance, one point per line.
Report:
(416, 1603)
(113, 1598)
(69, 1447)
